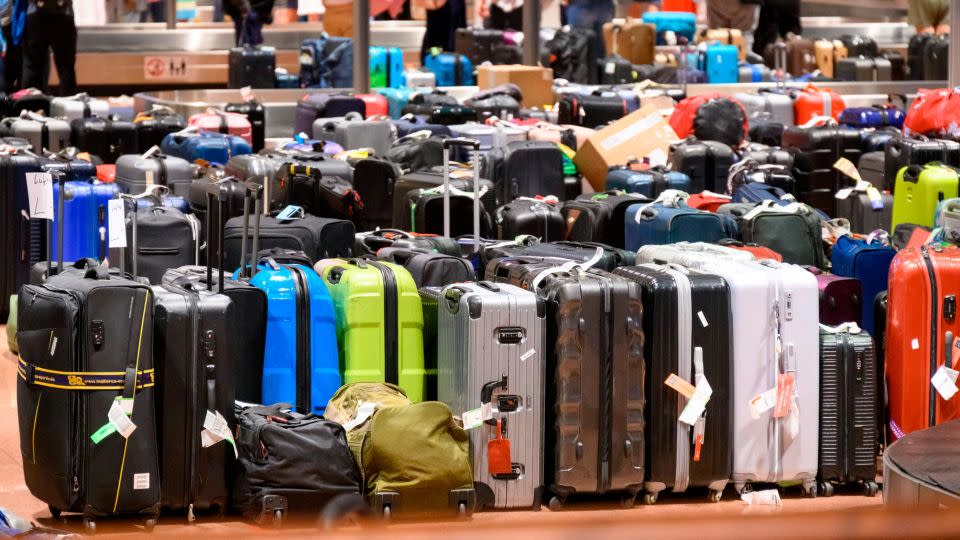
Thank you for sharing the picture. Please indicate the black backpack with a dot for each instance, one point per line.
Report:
(572, 54)
(60, 7)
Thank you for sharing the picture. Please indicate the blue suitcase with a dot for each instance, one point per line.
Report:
(753, 73)
(326, 62)
(650, 183)
(720, 64)
(754, 192)
(397, 99)
(211, 147)
(411, 124)
(672, 23)
(870, 263)
(386, 67)
(74, 169)
(80, 226)
(872, 117)
(668, 223)
(303, 145)
(451, 69)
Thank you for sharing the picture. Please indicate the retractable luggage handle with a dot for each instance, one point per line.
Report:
(154, 192)
(255, 190)
(780, 63)
(475, 145)
(216, 192)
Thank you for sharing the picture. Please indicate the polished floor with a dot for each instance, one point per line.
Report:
(686, 515)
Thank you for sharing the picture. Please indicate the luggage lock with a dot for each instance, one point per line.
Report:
(509, 335)
(209, 344)
(950, 307)
(98, 331)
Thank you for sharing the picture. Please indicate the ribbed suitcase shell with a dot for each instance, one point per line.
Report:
(705, 162)
(474, 320)
(815, 151)
(676, 302)
(848, 408)
(135, 174)
(864, 69)
(355, 133)
(767, 107)
(864, 218)
(919, 190)
(871, 167)
(529, 216)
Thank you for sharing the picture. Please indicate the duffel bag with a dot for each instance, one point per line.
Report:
(711, 117)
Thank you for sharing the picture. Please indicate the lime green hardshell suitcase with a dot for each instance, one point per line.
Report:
(918, 191)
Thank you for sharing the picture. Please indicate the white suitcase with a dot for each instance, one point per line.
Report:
(489, 136)
(78, 106)
(416, 78)
(768, 106)
(690, 253)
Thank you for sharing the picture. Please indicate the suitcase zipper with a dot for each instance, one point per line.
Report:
(191, 383)
(391, 370)
(304, 398)
(934, 315)
(606, 389)
(845, 359)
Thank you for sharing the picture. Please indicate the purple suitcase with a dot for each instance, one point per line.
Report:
(840, 298)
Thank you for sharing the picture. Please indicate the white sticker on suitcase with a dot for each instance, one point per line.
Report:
(945, 381)
(527, 355)
(915, 344)
(40, 195)
(703, 319)
(141, 481)
(472, 419)
(763, 402)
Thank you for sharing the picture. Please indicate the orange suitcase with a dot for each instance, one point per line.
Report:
(922, 324)
(678, 5)
(813, 101)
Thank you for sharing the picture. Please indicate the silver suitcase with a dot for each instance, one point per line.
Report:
(136, 173)
(420, 79)
(43, 133)
(353, 132)
(767, 106)
(78, 106)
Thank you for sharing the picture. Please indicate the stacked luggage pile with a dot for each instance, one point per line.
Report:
(442, 309)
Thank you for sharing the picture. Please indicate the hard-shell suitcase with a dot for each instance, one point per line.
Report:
(868, 262)
(921, 335)
(491, 345)
(767, 107)
(155, 124)
(877, 116)
(489, 136)
(705, 162)
(649, 182)
(590, 110)
(578, 252)
(78, 106)
(767, 132)
(633, 39)
(598, 217)
(828, 53)
(800, 55)
(251, 66)
(136, 173)
(525, 169)
(915, 55)
(840, 298)
(43, 133)
(812, 102)
(374, 180)
(671, 26)
(793, 231)
(867, 209)
(226, 123)
(528, 216)
(753, 73)
(210, 147)
(676, 304)
(256, 115)
(872, 169)
(849, 391)
(936, 59)
(765, 155)
(386, 67)
(902, 151)
(86, 341)
(83, 213)
(161, 238)
(477, 43)
(860, 45)
(451, 69)
(313, 106)
(863, 69)
(668, 220)
(353, 132)
(727, 36)
(919, 190)
(815, 151)
(720, 64)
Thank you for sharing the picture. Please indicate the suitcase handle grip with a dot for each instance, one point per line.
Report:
(486, 393)
(98, 272)
(461, 141)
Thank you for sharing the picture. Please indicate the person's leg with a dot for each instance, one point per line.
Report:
(64, 44)
(514, 19)
(12, 62)
(35, 53)
(497, 18)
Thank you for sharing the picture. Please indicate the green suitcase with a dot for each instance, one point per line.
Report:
(379, 325)
(919, 189)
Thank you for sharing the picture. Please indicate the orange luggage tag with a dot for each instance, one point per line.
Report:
(498, 453)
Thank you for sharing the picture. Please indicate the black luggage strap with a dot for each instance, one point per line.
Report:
(457, 66)
(128, 380)
(162, 168)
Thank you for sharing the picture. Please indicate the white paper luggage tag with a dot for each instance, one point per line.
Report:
(118, 420)
(762, 403)
(117, 223)
(697, 403)
(40, 195)
(216, 429)
(945, 382)
(365, 410)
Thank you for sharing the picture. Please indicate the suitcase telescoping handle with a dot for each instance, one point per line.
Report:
(475, 145)
(215, 192)
(156, 193)
(255, 191)
(61, 179)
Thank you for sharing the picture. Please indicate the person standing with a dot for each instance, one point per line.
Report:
(590, 14)
(501, 14)
(12, 58)
(443, 19)
(248, 19)
(734, 14)
(930, 16)
(777, 19)
(50, 25)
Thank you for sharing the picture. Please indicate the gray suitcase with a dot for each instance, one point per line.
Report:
(489, 356)
(43, 133)
(78, 106)
(258, 167)
(748, 73)
(352, 132)
(864, 217)
(767, 107)
(871, 167)
(863, 69)
(136, 173)
(416, 78)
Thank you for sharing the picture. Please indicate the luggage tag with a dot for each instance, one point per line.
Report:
(945, 382)
(116, 223)
(784, 395)
(118, 420)
(699, 428)
(697, 403)
(216, 429)
(40, 194)
(290, 213)
(498, 453)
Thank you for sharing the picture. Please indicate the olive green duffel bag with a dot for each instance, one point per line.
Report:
(414, 458)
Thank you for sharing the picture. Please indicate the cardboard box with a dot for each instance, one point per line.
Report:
(642, 133)
(535, 82)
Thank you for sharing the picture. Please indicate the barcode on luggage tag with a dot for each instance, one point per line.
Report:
(141, 481)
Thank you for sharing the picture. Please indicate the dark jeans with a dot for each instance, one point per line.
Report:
(12, 62)
(42, 32)
(502, 20)
(248, 30)
(155, 12)
(591, 14)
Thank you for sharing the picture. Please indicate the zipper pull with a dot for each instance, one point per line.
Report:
(76, 484)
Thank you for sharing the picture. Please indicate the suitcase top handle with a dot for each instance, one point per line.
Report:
(461, 141)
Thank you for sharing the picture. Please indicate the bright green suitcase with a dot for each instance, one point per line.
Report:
(379, 325)
(918, 191)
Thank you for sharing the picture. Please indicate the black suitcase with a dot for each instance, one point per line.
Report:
(580, 252)
(33, 101)
(374, 180)
(371, 242)
(871, 168)
(848, 411)
(749, 171)
(161, 238)
(767, 155)
(429, 269)
(874, 140)
(525, 169)
(863, 69)
(499, 105)
(414, 153)
(936, 59)
(526, 216)
(902, 152)
(705, 162)
(815, 150)
(427, 179)
(24, 241)
(590, 110)
(153, 125)
(251, 66)
(477, 43)
(898, 65)
(572, 54)
(616, 69)
(423, 213)
(108, 139)
(595, 398)
(319, 238)
(256, 114)
(879, 341)
(505, 54)
(598, 217)
(858, 45)
(93, 332)
(677, 461)
(915, 55)
(321, 195)
(195, 348)
(767, 133)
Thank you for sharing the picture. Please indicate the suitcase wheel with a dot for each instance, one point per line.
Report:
(149, 524)
(870, 489)
(277, 518)
(810, 490)
(826, 489)
(650, 498)
(715, 495)
(54, 512)
(628, 500)
(556, 503)
(89, 526)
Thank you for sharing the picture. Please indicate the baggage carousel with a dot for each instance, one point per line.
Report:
(920, 469)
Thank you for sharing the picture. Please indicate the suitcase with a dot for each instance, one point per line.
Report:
(475, 372)
(878, 116)
(631, 38)
(44, 134)
(865, 212)
(527, 216)
(792, 231)
(936, 59)
(326, 62)
(429, 269)
(25, 240)
(80, 221)
(707, 201)
(667, 220)
(226, 123)
(671, 26)
(525, 169)
(848, 409)
(251, 66)
(302, 370)
(864, 69)
(753, 73)
(374, 105)
(268, 170)
(409, 124)
(759, 252)
(691, 253)
(727, 36)
(386, 67)
(898, 64)
(477, 43)
(450, 69)
(78, 106)
(598, 217)
(431, 179)
(800, 55)
(256, 115)
(840, 298)
(705, 162)
(749, 178)
(919, 190)
(319, 238)
(161, 238)
(766, 132)
(578, 252)
(135, 174)
(677, 303)
(114, 361)
(904, 151)
(767, 106)
(598, 385)
(353, 132)
(322, 195)
(915, 55)
(209, 147)
(766, 155)
(720, 64)
(572, 54)
(313, 106)
(570, 136)
(489, 136)
(649, 182)
(920, 336)
(868, 262)
(153, 125)
(828, 53)
(105, 138)
(425, 210)
(876, 140)
(370, 243)
(859, 45)
(590, 110)
(812, 102)
(872, 169)
(374, 180)
(815, 150)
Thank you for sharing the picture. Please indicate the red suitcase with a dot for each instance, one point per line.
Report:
(840, 297)
(760, 252)
(922, 323)
(707, 201)
(813, 102)
(376, 105)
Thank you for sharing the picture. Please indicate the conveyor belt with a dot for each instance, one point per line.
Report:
(920, 469)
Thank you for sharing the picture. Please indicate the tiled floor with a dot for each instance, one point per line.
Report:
(678, 514)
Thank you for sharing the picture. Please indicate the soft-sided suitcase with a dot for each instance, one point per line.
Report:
(161, 238)
(432, 179)
(919, 190)
(326, 62)
(869, 262)
(815, 151)
(596, 386)
(155, 124)
(321, 195)
(572, 54)
(313, 106)
(650, 182)
(529, 216)
(921, 332)
(73, 458)
(687, 318)
(866, 208)
(849, 391)
(840, 298)
(429, 269)
(863, 69)
(902, 151)
(251, 66)
(590, 110)
(256, 115)
(792, 231)
(319, 238)
(631, 38)
(490, 356)
(425, 210)
(667, 220)
(705, 162)
(135, 173)
(450, 69)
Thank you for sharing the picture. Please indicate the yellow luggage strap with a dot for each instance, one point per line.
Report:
(80, 380)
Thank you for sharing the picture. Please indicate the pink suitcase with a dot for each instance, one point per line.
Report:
(217, 121)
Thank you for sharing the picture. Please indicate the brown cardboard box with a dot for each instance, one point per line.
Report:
(535, 82)
(642, 133)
